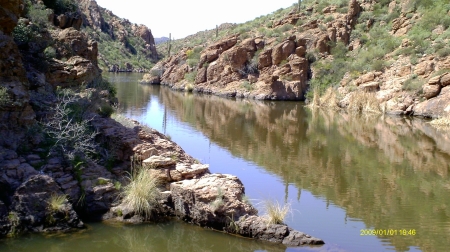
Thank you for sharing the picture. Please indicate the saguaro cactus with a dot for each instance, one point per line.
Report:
(170, 45)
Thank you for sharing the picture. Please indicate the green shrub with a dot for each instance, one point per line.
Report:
(443, 52)
(190, 76)
(412, 84)
(4, 97)
(22, 34)
(50, 52)
(38, 15)
(106, 110)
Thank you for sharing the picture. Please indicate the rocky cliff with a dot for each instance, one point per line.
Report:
(42, 54)
(62, 157)
(123, 46)
(394, 52)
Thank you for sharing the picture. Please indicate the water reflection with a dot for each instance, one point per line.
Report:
(390, 172)
(171, 236)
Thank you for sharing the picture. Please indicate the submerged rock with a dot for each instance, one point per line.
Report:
(256, 227)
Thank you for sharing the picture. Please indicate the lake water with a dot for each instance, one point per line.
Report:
(340, 173)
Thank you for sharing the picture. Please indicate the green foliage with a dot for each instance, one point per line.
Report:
(22, 34)
(412, 84)
(38, 15)
(103, 84)
(190, 76)
(50, 53)
(247, 86)
(106, 110)
(61, 6)
(4, 96)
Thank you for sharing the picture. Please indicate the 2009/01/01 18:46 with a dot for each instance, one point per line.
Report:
(388, 232)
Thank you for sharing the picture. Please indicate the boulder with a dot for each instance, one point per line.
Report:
(265, 58)
(257, 228)
(430, 91)
(435, 107)
(210, 200)
(31, 204)
(445, 79)
(281, 51)
(201, 75)
(150, 79)
(158, 162)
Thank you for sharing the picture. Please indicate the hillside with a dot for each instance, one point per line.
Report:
(122, 45)
(392, 53)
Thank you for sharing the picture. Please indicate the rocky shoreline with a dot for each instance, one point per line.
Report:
(187, 190)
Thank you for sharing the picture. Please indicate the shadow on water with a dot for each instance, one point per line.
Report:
(170, 236)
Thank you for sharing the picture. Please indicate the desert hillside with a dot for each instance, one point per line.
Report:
(391, 53)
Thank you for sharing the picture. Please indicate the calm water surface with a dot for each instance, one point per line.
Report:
(340, 173)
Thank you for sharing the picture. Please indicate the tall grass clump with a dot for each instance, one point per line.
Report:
(361, 101)
(56, 202)
(275, 212)
(141, 193)
(441, 123)
(4, 96)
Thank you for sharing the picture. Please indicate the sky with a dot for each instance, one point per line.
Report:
(183, 18)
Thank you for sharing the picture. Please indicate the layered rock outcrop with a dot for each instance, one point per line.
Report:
(258, 67)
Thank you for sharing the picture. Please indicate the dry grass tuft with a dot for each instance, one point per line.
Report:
(56, 202)
(441, 123)
(276, 213)
(361, 101)
(328, 100)
(142, 192)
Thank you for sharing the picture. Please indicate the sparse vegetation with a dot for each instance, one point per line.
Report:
(361, 101)
(4, 96)
(275, 212)
(56, 202)
(141, 193)
(68, 130)
(218, 202)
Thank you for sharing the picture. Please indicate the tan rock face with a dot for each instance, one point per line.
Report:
(281, 51)
(145, 33)
(430, 91)
(265, 58)
(424, 68)
(201, 76)
(91, 14)
(210, 199)
(435, 107)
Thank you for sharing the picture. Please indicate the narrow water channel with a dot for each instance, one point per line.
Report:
(341, 174)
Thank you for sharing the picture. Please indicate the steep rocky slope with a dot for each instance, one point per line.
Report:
(62, 157)
(393, 52)
(123, 46)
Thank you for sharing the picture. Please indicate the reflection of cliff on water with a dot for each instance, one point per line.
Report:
(129, 93)
(389, 172)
